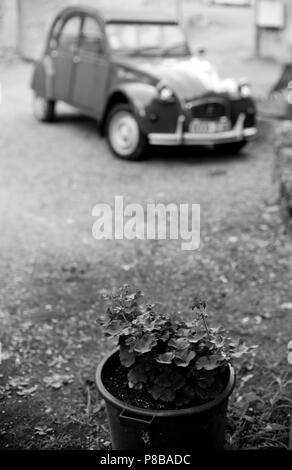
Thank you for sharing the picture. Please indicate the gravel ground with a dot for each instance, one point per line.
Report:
(52, 271)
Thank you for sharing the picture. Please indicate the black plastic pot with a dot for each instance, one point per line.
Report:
(196, 428)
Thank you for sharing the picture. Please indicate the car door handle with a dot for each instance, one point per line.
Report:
(76, 59)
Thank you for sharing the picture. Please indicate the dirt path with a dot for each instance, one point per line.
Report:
(52, 272)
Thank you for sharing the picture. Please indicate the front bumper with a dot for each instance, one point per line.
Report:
(179, 137)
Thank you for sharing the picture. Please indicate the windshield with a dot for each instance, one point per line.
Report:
(147, 39)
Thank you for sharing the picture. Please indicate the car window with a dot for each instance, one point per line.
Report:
(91, 37)
(55, 33)
(156, 39)
(69, 35)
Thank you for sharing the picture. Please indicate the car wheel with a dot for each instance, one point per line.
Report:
(124, 134)
(230, 149)
(44, 110)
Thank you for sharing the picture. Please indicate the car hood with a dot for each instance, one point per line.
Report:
(189, 78)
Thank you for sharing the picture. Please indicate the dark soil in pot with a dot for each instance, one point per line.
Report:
(116, 382)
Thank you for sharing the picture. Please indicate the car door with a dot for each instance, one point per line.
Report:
(64, 57)
(92, 70)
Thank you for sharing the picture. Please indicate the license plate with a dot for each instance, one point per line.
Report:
(198, 126)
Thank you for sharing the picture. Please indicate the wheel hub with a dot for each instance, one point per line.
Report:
(124, 133)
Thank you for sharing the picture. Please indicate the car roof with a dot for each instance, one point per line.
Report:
(120, 16)
(138, 17)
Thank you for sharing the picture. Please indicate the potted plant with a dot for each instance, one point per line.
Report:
(167, 384)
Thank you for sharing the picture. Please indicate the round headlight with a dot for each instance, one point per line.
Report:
(245, 91)
(166, 94)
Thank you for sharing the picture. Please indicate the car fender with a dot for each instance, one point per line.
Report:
(144, 100)
(43, 78)
(139, 95)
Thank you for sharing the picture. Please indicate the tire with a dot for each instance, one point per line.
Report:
(230, 149)
(123, 133)
(44, 110)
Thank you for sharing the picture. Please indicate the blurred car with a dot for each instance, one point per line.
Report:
(139, 79)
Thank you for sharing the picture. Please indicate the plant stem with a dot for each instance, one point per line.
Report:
(205, 325)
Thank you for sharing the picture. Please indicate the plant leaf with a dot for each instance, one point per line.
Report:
(114, 327)
(126, 357)
(197, 337)
(165, 358)
(183, 358)
(179, 343)
(209, 362)
(145, 343)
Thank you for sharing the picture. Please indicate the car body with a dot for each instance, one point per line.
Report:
(139, 79)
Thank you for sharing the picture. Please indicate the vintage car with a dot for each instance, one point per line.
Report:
(139, 79)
